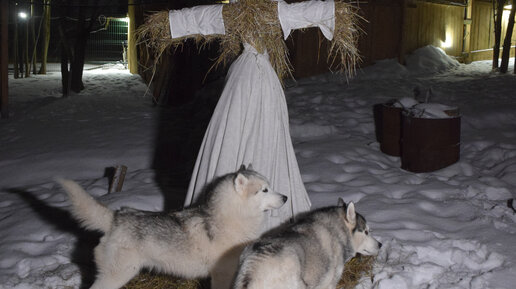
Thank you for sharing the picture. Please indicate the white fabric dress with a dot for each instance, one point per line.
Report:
(250, 125)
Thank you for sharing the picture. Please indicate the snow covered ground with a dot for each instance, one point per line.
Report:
(451, 228)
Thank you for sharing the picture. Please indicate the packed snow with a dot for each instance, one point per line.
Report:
(452, 228)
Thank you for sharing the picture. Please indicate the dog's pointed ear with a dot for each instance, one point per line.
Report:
(240, 183)
(250, 167)
(242, 168)
(351, 215)
(341, 203)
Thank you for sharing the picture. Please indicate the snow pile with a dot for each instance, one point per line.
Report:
(429, 59)
(425, 110)
(450, 228)
(432, 110)
(438, 264)
(383, 69)
(405, 102)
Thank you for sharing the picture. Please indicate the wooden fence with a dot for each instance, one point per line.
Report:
(482, 31)
(440, 25)
(392, 28)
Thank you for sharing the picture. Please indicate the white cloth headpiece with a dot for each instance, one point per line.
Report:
(307, 14)
(204, 19)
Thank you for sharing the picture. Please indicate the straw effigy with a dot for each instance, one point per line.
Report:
(355, 269)
(256, 22)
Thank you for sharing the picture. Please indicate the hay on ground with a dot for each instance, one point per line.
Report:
(256, 22)
(149, 280)
(355, 269)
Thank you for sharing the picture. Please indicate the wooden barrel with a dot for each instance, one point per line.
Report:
(390, 129)
(429, 144)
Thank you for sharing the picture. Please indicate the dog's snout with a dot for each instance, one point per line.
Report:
(284, 198)
(380, 245)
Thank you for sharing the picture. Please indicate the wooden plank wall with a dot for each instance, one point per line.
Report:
(434, 24)
(482, 31)
(380, 39)
(382, 31)
(425, 23)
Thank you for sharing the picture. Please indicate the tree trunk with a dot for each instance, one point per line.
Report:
(15, 44)
(4, 59)
(77, 64)
(46, 36)
(33, 36)
(26, 61)
(34, 58)
(65, 73)
(66, 58)
(83, 34)
(507, 41)
(498, 31)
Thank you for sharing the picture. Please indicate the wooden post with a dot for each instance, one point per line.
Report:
(132, 56)
(4, 59)
(117, 178)
(401, 52)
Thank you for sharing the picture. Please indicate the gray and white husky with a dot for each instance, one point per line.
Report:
(196, 242)
(310, 253)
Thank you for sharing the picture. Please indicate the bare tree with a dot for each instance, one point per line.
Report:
(507, 41)
(66, 55)
(45, 40)
(73, 40)
(34, 39)
(497, 30)
(15, 44)
(84, 27)
(26, 61)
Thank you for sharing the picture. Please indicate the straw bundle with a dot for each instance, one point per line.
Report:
(344, 52)
(256, 22)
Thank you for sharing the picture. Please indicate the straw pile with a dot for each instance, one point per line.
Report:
(256, 22)
(160, 281)
(355, 269)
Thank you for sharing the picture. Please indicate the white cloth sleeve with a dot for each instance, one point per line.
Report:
(307, 14)
(205, 20)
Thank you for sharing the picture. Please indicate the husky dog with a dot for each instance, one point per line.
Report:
(308, 254)
(196, 242)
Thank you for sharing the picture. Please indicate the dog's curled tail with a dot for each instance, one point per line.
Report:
(92, 214)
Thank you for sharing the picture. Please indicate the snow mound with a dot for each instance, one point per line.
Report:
(439, 264)
(430, 59)
(425, 60)
(382, 69)
(310, 130)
